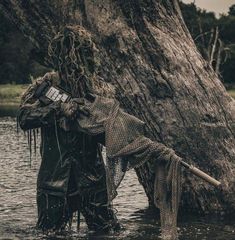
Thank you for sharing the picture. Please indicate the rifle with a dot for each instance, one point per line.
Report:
(46, 92)
(201, 174)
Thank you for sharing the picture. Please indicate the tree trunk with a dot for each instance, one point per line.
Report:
(147, 52)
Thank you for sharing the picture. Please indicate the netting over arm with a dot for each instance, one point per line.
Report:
(127, 147)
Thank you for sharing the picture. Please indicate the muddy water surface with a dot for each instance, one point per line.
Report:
(18, 206)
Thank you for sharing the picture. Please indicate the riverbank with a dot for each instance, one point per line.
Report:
(10, 94)
(232, 93)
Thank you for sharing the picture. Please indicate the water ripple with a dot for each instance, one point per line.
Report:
(18, 201)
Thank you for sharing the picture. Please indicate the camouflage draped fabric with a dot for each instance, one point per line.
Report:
(127, 148)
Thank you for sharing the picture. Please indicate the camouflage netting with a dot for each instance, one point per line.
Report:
(127, 148)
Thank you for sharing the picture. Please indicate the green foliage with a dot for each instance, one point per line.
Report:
(232, 10)
(228, 68)
(202, 25)
(14, 54)
(196, 18)
(16, 59)
(227, 28)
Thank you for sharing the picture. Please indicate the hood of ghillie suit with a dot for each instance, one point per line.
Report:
(74, 56)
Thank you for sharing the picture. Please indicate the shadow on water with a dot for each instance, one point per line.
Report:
(18, 206)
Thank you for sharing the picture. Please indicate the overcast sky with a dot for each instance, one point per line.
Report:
(217, 6)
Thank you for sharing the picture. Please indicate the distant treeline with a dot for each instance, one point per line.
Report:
(214, 37)
(17, 63)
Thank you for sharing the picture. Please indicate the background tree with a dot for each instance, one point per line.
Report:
(16, 56)
(147, 52)
(232, 10)
(215, 38)
(17, 62)
(227, 33)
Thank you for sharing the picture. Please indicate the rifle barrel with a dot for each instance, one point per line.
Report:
(201, 174)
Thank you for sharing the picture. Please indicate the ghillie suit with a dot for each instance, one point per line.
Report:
(72, 54)
(72, 174)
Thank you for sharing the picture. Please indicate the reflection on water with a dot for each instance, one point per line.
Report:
(18, 206)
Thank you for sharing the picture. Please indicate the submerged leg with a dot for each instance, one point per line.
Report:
(99, 215)
(53, 214)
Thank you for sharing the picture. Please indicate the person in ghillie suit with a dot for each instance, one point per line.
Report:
(72, 174)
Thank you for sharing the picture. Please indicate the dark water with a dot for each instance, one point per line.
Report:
(18, 207)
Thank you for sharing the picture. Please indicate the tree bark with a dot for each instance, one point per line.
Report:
(147, 52)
